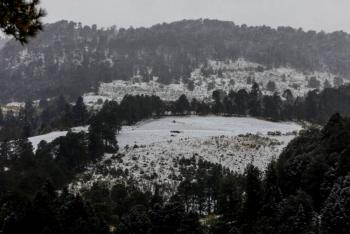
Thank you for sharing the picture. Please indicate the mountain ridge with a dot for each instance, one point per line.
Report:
(70, 59)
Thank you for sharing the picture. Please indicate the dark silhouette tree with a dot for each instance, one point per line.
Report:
(181, 105)
(79, 112)
(20, 18)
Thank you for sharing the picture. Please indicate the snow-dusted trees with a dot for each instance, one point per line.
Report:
(338, 81)
(314, 83)
(335, 216)
(327, 84)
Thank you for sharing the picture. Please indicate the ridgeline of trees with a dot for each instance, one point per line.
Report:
(58, 114)
(69, 58)
(315, 107)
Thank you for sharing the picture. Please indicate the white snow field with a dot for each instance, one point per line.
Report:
(150, 151)
(176, 128)
(50, 137)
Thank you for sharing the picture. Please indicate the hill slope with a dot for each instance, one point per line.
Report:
(68, 58)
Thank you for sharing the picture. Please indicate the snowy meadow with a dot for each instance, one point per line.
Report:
(151, 150)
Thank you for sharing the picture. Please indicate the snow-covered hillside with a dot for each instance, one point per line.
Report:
(49, 137)
(176, 128)
(150, 152)
(228, 75)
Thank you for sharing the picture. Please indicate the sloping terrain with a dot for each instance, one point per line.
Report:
(151, 151)
(71, 59)
(222, 75)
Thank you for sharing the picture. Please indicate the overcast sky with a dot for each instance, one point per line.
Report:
(327, 15)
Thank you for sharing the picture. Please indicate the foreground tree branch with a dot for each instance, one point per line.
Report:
(21, 18)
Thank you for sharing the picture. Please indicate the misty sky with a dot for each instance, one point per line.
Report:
(327, 15)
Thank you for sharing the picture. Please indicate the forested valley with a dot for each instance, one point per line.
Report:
(300, 192)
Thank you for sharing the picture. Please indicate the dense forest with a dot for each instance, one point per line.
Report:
(69, 58)
(305, 191)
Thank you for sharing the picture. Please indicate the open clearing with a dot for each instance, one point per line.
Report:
(175, 128)
(150, 151)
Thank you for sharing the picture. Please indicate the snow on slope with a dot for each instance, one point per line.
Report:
(150, 152)
(199, 127)
(50, 137)
(224, 75)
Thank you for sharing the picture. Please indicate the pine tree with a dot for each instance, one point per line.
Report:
(288, 95)
(218, 107)
(338, 81)
(253, 194)
(190, 85)
(230, 199)
(95, 137)
(4, 151)
(23, 148)
(79, 112)
(242, 102)
(29, 112)
(326, 84)
(136, 221)
(300, 221)
(272, 193)
(314, 83)
(336, 212)
(271, 86)
(311, 106)
(60, 104)
(181, 105)
(254, 100)
(295, 214)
